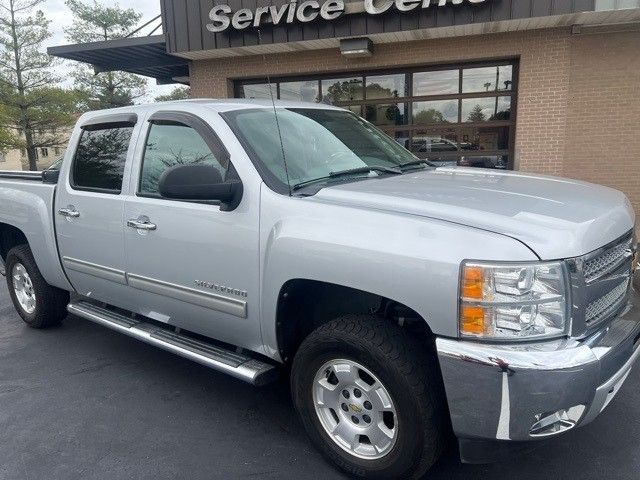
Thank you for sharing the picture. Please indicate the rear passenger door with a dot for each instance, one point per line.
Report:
(192, 264)
(89, 208)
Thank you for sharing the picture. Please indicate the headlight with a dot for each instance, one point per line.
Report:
(513, 301)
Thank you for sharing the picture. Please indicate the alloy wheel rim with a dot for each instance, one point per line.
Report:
(355, 409)
(23, 288)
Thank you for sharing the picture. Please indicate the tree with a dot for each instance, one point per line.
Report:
(345, 90)
(476, 114)
(178, 93)
(97, 22)
(31, 110)
(429, 115)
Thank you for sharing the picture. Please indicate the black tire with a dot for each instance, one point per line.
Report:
(51, 302)
(408, 370)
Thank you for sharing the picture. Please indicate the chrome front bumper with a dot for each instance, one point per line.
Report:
(531, 391)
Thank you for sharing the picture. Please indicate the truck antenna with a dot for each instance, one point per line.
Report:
(275, 113)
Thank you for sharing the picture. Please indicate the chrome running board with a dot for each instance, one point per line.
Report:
(227, 361)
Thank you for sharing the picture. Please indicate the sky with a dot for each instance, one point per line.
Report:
(60, 16)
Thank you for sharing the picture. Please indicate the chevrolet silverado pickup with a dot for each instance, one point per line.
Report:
(406, 302)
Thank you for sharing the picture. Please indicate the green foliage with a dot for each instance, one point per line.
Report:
(178, 93)
(429, 115)
(96, 21)
(32, 112)
(476, 114)
(100, 22)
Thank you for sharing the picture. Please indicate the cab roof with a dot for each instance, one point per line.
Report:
(217, 105)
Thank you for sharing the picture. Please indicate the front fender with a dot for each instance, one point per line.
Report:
(407, 258)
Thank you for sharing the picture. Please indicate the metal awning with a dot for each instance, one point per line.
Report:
(145, 56)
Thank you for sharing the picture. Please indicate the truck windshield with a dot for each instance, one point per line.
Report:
(316, 143)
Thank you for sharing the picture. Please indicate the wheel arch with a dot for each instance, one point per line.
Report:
(304, 304)
(10, 237)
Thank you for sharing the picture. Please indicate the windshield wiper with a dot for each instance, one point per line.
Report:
(367, 169)
(415, 163)
(351, 171)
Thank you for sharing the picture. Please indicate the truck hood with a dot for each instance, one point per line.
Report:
(555, 217)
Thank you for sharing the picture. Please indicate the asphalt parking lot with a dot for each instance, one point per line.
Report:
(82, 402)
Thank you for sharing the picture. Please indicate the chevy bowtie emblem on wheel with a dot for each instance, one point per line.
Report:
(355, 408)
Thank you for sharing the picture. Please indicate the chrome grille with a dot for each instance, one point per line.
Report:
(600, 284)
(606, 260)
(607, 304)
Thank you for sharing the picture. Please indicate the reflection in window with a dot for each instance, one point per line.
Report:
(386, 114)
(485, 138)
(616, 4)
(385, 86)
(485, 161)
(261, 90)
(437, 144)
(486, 109)
(100, 158)
(169, 145)
(437, 111)
(300, 91)
(487, 79)
(436, 83)
(357, 109)
(429, 111)
(342, 90)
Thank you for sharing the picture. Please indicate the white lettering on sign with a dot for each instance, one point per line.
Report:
(222, 16)
(376, 7)
(303, 12)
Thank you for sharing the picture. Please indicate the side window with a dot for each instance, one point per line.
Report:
(100, 158)
(170, 144)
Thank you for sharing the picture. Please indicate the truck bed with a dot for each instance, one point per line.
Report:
(27, 203)
(21, 175)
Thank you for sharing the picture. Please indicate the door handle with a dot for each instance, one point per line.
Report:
(141, 224)
(69, 212)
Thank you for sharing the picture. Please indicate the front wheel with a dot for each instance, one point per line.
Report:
(39, 304)
(370, 398)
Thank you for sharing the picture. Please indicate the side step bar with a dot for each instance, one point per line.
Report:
(237, 365)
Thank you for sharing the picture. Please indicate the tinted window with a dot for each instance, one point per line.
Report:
(100, 158)
(169, 145)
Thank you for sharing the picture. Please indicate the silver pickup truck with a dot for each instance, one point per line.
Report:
(406, 302)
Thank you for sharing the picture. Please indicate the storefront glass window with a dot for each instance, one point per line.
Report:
(484, 138)
(300, 91)
(437, 111)
(394, 114)
(342, 90)
(447, 115)
(486, 109)
(436, 82)
(260, 90)
(487, 79)
(386, 86)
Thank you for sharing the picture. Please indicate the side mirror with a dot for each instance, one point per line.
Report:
(200, 182)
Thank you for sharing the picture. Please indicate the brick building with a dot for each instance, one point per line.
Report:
(545, 86)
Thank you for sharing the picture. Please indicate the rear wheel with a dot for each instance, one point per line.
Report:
(39, 304)
(370, 398)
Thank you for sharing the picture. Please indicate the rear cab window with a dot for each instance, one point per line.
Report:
(100, 157)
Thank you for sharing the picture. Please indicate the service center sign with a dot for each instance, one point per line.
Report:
(222, 17)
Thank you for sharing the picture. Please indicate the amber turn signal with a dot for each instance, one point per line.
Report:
(472, 282)
(472, 320)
